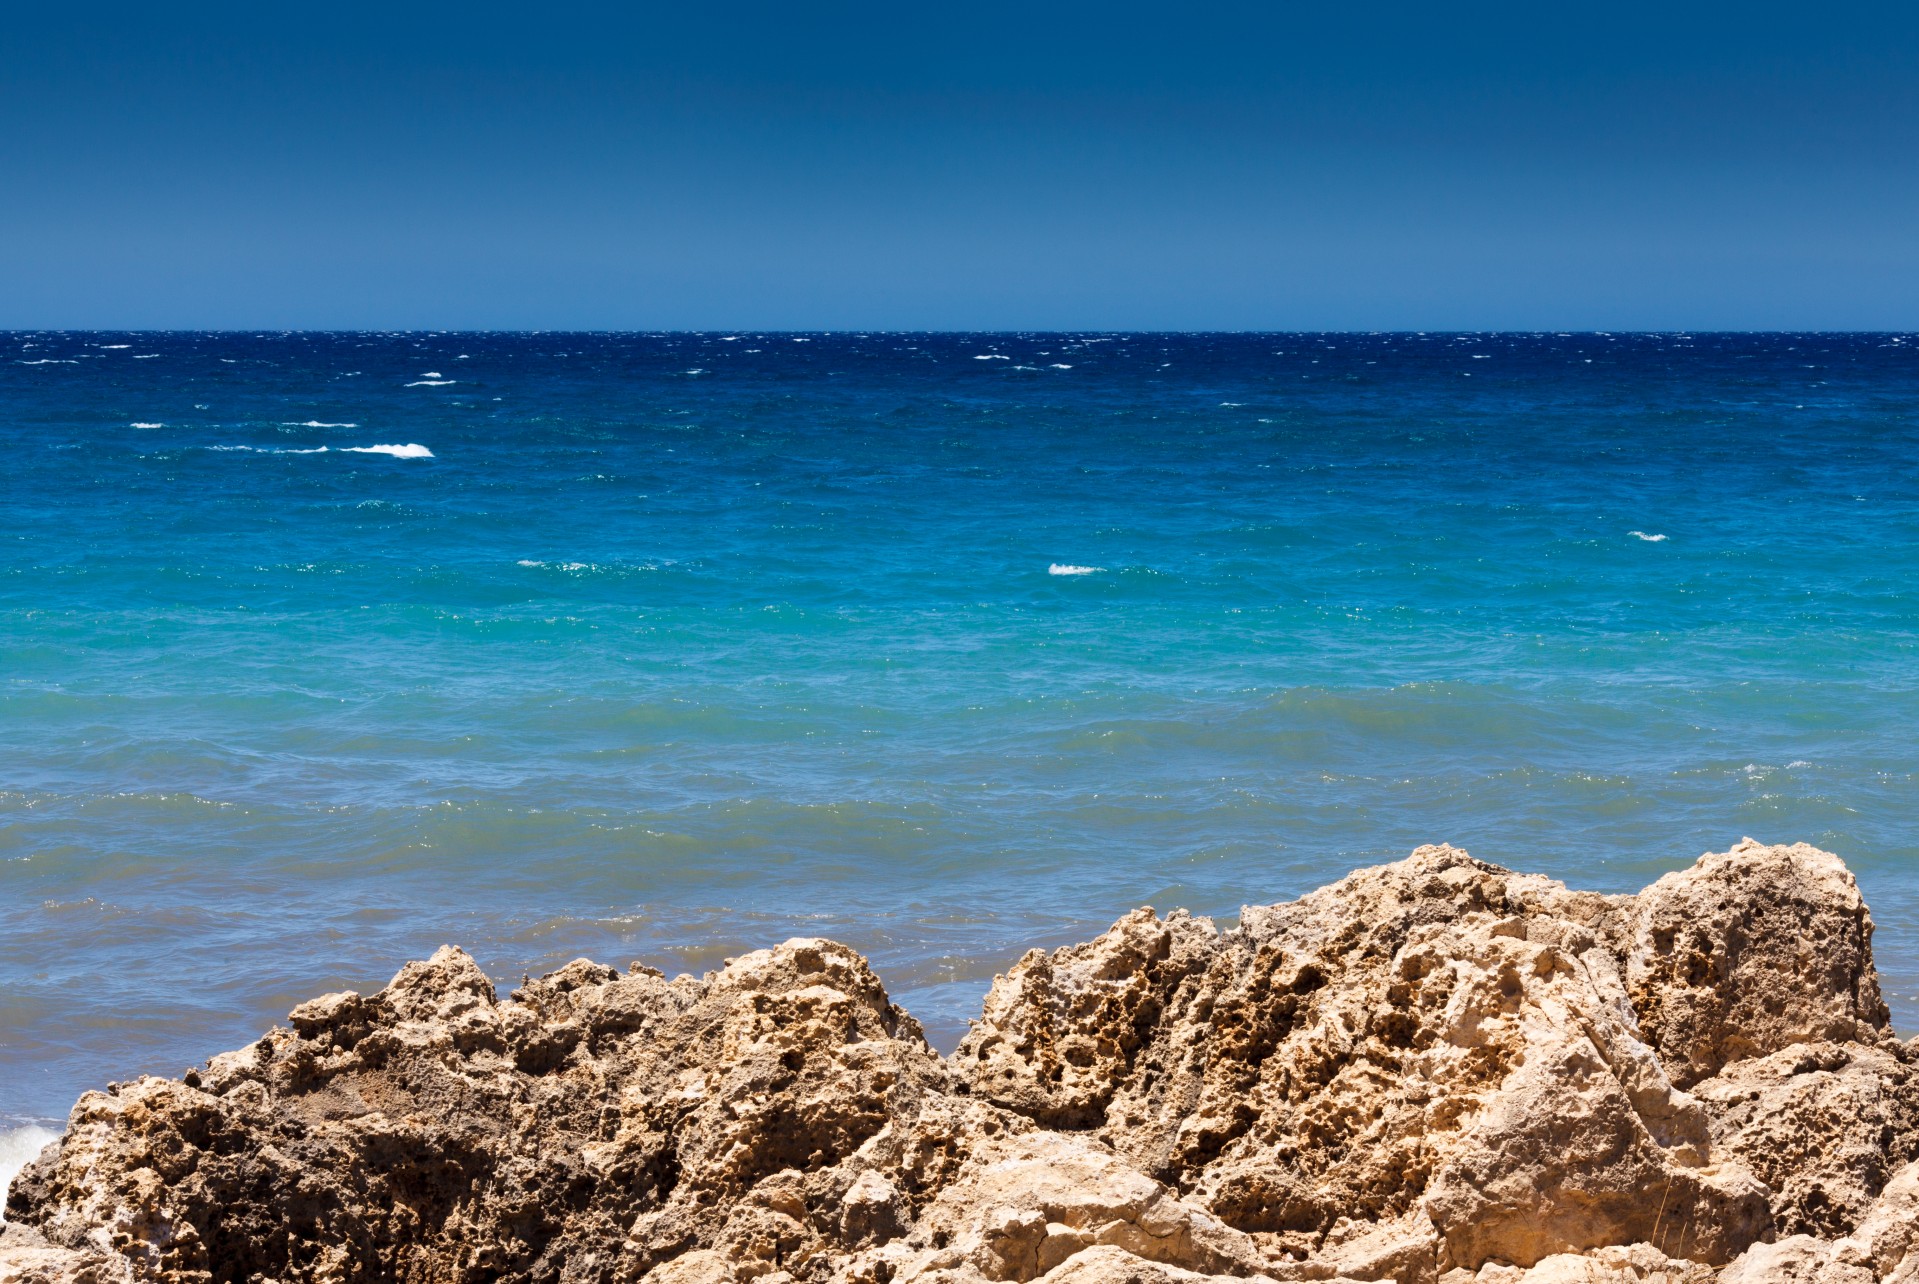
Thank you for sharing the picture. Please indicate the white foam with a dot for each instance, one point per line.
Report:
(431, 383)
(1650, 539)
(992, 356)
(110, 347)
(1061, 365)
(49, 361)
(18, 1148)
(432, 374)
(314, 423)
(137, 424)
(1067, 568)
(147, 356)
(412, 450)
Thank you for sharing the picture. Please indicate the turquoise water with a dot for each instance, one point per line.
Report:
(668, 647)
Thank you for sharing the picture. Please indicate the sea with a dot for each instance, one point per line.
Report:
(319, 651)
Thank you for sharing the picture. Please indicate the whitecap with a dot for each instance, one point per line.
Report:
(1061, 365)
(110, 347)
(431, 383)
(147, 356)
(412, 450)
(18, 1148)
(1067, 568)
(1650, 539)
(315, 423)
(138, 424)
(992, 356)
(696, 370)
(432, 374)
(49, 361)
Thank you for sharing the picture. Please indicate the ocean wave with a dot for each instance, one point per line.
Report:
(1067, 568)
(431, 383)
(18, 1148)
(1650, 539)
(314, 423)
(50, 361)
(137, 424)
(411, 450)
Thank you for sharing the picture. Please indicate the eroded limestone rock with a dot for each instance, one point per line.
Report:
(1435, 1070)
(1438, 1034)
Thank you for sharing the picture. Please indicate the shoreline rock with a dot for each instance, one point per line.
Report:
(1435, 1071)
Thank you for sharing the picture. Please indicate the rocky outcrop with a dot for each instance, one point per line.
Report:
(1436, 1070)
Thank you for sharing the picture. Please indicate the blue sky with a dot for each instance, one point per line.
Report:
(843, 165)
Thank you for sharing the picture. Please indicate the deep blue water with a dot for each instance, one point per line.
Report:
(678, 645)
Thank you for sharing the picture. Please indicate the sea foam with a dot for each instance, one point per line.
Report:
(412, 450)
(1650, 539)
(1067, 568)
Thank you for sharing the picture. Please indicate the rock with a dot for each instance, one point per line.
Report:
(593, 1128)
(1823, 1124)
(1886, 1241)
(1797, 1259)
(1438, 1034)
(27, 1258)
(1432, 1071)
(1750, 951)
(1025, 1203)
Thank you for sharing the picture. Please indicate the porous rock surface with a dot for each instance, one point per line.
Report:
(1433, 1072)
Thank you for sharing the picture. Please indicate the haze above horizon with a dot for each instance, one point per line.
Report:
(858, 167)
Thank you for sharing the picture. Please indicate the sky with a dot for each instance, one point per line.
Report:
(938, 166)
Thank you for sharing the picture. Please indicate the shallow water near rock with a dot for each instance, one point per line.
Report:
(669, 647)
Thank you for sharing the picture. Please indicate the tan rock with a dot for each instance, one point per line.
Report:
(1439, 1033)
(1432, 1072)
(27, 1258)
(1750, 951)
(1824, 1125)
(1886, 1241)
(1797, 1259)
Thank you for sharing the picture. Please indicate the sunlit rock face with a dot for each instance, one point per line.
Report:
(1435, 1069)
